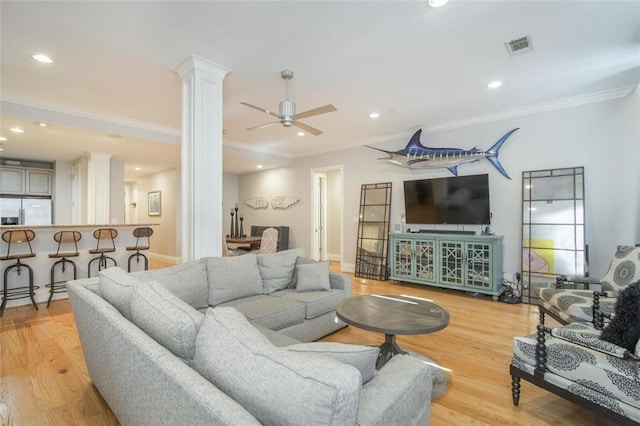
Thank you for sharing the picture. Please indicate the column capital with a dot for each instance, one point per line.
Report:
(196, 63)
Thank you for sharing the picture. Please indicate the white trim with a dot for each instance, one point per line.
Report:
(165, 258)
(93, 115)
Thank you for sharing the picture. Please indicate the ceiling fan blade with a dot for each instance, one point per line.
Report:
(263, 125)
(316, 111)
(307, 128)
(260, 109)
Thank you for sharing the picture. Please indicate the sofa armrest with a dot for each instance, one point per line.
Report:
(340, 281)
(399, 393)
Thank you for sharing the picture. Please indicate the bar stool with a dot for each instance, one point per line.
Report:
(140, 233)
(64, 240)
(18, 238)
(103, 234)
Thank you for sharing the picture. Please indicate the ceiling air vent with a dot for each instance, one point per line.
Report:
(519, 45)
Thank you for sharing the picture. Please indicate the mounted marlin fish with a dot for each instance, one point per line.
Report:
(417, 156)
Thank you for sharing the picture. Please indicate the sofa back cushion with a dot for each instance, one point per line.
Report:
(313, 276)
(277, 269)
(167, 319)
(623, 270)
(277, 386)
(116, 286)
(231, 278)
(187, 280)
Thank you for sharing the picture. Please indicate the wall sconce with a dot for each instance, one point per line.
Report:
(133, 205)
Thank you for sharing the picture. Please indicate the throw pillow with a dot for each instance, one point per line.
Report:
(277, 386)
(167, 319)
(277, 269)
(361, 357)
(300, 261)
(624, 328)
(232, 278)
(116, 286)
(313, 276)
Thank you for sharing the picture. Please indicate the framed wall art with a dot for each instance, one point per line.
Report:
(154, 203)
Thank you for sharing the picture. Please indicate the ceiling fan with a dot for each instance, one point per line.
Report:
(287, 112)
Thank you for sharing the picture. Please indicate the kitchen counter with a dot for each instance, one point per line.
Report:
(43, 244)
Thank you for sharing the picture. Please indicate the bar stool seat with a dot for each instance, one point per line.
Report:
(17, 239)
(142, 235)
(103, 235)
(64, 240)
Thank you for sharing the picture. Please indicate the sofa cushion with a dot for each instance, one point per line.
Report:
(116, 286)
(232, 278)
(277, 269)
(277, 386)
(361, 357)
(312, 276)
(167, 319)
(593, 369)
(272, 312)
(187, 280)
(316, 303)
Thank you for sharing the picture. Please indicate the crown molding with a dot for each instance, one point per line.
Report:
(91, 115)
(570, 102)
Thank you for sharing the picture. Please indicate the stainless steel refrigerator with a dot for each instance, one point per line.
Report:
(25, 211)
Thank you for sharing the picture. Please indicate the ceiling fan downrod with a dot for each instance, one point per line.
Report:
(287, 108)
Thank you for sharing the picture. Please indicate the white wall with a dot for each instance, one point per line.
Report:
(163, 242)
(602, 137)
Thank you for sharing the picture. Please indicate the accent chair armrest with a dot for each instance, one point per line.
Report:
(563, 281)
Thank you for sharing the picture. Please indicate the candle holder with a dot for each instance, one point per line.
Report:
(241, 230)
(231, 231)
(235, 230)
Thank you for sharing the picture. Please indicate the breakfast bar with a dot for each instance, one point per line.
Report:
(44, 244)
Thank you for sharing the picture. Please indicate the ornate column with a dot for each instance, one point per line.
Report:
(201, 166)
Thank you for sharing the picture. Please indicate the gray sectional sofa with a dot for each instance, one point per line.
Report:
(224, 341)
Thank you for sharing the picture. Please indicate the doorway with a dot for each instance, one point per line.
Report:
(327, 214)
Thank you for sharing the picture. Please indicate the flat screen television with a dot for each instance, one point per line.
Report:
(462, 200)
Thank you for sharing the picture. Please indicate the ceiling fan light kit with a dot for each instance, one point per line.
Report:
(287, 111)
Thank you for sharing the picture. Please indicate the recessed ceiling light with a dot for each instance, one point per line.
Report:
(42, 58)
(136, 168)
(300, 133)
(259, 166)
(374, 115)
(42, 124)
(114, 136)
(438, 3)
(2, 138)
(17, 130)
(494, 84)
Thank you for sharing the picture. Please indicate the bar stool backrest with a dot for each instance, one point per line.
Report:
(105, 234)
(18, 237)
(67, 237)
(144, 233)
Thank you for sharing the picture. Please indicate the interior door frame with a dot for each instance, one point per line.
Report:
(319, 213)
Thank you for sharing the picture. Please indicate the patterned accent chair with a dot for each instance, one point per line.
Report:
(569, 305)
(269, 242)
(573, 363)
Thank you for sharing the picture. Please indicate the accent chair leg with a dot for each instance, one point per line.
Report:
(515, 389)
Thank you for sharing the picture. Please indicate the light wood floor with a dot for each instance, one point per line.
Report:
(43, 379)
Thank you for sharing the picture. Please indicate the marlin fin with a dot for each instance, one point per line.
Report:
(453, 169)
(493, 153)
(414, 142)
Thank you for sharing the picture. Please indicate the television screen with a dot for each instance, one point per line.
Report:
(462, 200)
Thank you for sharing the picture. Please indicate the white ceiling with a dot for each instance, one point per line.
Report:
(418, 67)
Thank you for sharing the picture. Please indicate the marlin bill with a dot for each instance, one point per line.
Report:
(417, 156)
